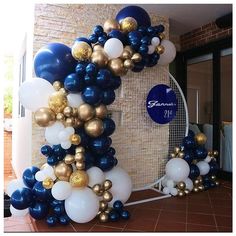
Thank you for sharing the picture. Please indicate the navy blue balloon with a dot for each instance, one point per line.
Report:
(102, 39)
(111, 151)
(41, 193)
(194, 171)
(83, 136)
(99, 145)
(109, 126)
(58, 151)
(135, 36)
(138, 13)
(21, 198)
(55, 202)
(114, 216)
(118, 205)
(51, 220)
(143, 49)
(200, 153)
(151, 31)
(89, 80)
(212, 184)
(98, 30)
(105, 162)
(103, 78)
(92, 95)
(117, 34)
(64, 220)
(93, 38)
(115, 161)
(59, 210)
(142, 30)
(89, 160)
(115, 82)
(214, 167)
(138, 66)
(159, 29)
(207, 185)
(108, 97)
(46, 150)
(74, 83)
(146, 40)
(52, 160)
(125, 215)
(81, 69)
(91, 69)
(206, 178)
(39, 210)
(191, 133)
(188, 156)
(54, 62)
(189, 142)
(83, 39)
(29, 176)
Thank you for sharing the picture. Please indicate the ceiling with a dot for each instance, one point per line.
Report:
(186, 17)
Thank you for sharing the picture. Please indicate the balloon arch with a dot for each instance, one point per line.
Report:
(69, 97)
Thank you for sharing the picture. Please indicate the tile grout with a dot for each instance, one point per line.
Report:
(214, 212)
(157, 220)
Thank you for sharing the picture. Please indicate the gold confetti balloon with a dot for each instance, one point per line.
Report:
(44, 117)
(117, 67)
(94, 127)
(86, 112)
(200, 138)
(63, 171)
(81, 51)
(128, 24)
(111, 24)
(57, 102)
(101, 111)
(79, 179)
(100, 58)
(48, 183)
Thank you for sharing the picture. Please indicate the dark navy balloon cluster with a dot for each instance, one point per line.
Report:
(118, 212)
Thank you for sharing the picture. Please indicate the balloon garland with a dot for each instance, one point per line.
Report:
(69, 98)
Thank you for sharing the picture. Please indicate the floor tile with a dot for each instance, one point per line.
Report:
(194, 218)
(201, 228)
(171, 227)
(99, 228)
(119, 224)
(225, 229)
(224, 221)
(175, 207)
(82, 227)
(172, 216)
(141, 224)
(148, 214)
(196, 208)
(223, 211)
(18, 228)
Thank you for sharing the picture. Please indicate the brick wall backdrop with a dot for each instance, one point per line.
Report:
(7, 153)
(205, 34)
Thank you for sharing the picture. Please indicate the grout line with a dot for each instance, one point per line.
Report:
(157, 220)
(186, 219)
(73, 227)
(213, 213)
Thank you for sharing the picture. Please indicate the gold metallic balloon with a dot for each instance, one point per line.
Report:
(80, 165)
(97, 47)
(210, 153)
(69, 159)
(117, 67)
(68, 111)
(57, 102)
(215, 153)
(200, 138)
(128, 24)
(57, 85)
(107, 184)
(75, 139)
(181, 154)
(136, 57)
(160, 49)
(86, 112)
(107, 196)
(213, 177)
(186, 191)
(101, 111)
(69, 122)
(79, 156)
(181, 185)
(80, 149)
(44, 117)
(126, 55)
(63, 171)
(195, 189)
(81, 51)
(97, 188)
(129, 49)
(103, 205)
(79, 179)
(128, 64)
(181, 193)
(217, 183)
(103, 217)
(100, 58)
(60, 117)
(201, 187)
(176, 150)
(108, 210)
(74, 111)
(172, 155)
(63, 91)
(78, 122)
(94, 127)
(199, 178)
(111, 24)
(161, 36)
(196, 182)
(48, 183)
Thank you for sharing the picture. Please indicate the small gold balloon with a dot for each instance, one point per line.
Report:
(48, 183)
(69, 121)
(200, 138)
(74, 111)
(97, 188)
(44, 117)
(126, 55)
(57, 85)
(78, 122)
(210, 153)
(186, 191)
(79, 156)
(199, 178)
(117, 67)
(97, 47)
(69, 159)
(63, 91)
(161, 36)
(176, 150)
(63, 171)
(108, 210)
(128, 24)
(86, 112)
(75, 139)
(101, 111)
(79, 149)
(80, 165)
(68, 111)
(111, 24)
(128, 64)
(160, 49)
(107, 184)
(217, 183)
(103, 217)
(195, 189)
(100, 58)
(60, 117)
(196, 182)
(103, 205)
(57, 102)
(181, 193)
(215, 153)
(94, 127)
(129, 49)
(79, 179)
(136, 57)
(172, 155)
(213, 177)
(201, 187)
(81, 51)
(181, 154)
(181, 185)
(107, 196)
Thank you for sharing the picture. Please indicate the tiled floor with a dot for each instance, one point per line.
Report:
(199, 212)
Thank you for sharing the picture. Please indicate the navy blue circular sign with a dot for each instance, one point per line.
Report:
(162, 104)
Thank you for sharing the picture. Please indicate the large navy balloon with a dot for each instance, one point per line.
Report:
(188, 156)
(200, 153)
(194, 171)
(109, 126)
(92, 95)
(188, 142)
(105, 162)
(21, 198)
(108, 96)
(89, 160)
(39, 210)
(74, 83)
(138, 13)
(29, 176)
(41, 193)
(99, 145)
(54, 62)
(214, 167)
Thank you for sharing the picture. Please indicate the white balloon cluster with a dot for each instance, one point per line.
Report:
(46, 172)
(155, 41)
(64, 137)
(52, 133)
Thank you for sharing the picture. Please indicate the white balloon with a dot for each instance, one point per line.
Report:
(40, 176)
(155, 41)
(189, 184)
(16, 212)
(74, 99)
(66, 144)
(63, 135)
(82, 205)
(96, 176)
(151, 49)
(61, 190)
(207, 159)
(34, 94)
(169, 53)
(166, 190)
(174, 191)
(49, 172)
(113, 48)
(13, 185)
(164, 181)
(52, 132)
(170, 183)
(121, 184)
(203, 167)
(177, 169)
(70, 130)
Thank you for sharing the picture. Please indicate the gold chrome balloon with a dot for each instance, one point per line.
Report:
(213, 177)
(97, 188)
(69, 159)
(128, 64)
(210, 153)
(94, 127)
(97, 47)
(81, 51)
(80, 165)
(100, 58)
(101, 111)
(60, 117)
(181, 185)
(108, 210)
(111, 24)
(217, 183)
(128, 24)
(107, 196)
(103, 205)
(176, 150)
(57, 85)
(75, 139)
(78, 122)
(44, 117)
(199, 178)
(79, 156)
(195, 189)
(74, 111)
(103, 217)
(80, 149)
(57, 102)
(69, 122)
(200, 138)
(181, 193)
(172, 155)
(186, 191)
(117, 67)
(196, 182)
(107, 184)
(68, 111)
(79, 179)
(126, 55)
(201, 187)
(129, 49)
(181, 154)
(161, 36)
(86, 112)
(160, 49)
(215, 153)
(63, 171)
(63, 91)
(136, 57)
(48, 183)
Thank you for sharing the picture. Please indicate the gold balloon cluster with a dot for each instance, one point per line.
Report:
(177, 153)
(213, 154)
(198, 186)
(181, 188)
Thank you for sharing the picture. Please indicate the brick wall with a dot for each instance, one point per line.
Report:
(7, 153)
(203, 35)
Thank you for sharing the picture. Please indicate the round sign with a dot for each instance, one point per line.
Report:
(162, 104)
